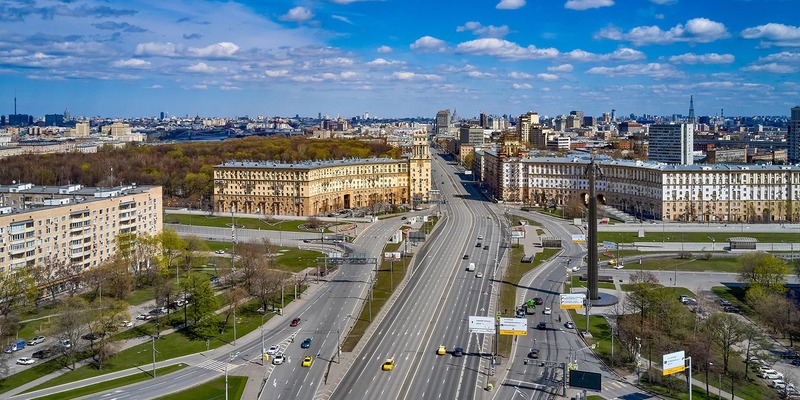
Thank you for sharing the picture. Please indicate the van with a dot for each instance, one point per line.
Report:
(15, 346)
(471, 267)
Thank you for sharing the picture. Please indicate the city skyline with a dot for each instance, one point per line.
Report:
(398, 59)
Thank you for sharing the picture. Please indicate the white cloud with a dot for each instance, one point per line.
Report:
(696, 30)
(561, 68)
(228, 87)
(663, 1)
(384, 62)
(156, 49)
(623, 54)
(783, 56)
(708, 58)
(204, 68)
(478, 74)
(774, 68)
(428, 43)
(156, 86)
(774, 34)
(273, 73)
(547, 77)
(218, 50)
(521, 86)
(341, 18)
(510, 4)
(484, 31)
(297, 14)
(411, 76)
(200, 87)
(504, 49)
(654, 70)
(520, 75)
(587, 4)
(131, 63)
(384, 49)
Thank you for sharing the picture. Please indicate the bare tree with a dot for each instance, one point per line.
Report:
(70, 323)
(266, 285)
(54, 271)
(725, 330)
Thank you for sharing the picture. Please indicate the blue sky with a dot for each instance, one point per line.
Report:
(398, 58)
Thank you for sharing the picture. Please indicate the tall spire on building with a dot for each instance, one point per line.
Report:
(692, 119)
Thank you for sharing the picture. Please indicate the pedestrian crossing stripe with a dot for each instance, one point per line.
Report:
(215, 365)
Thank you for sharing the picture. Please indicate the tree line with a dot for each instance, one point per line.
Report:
(184, 170)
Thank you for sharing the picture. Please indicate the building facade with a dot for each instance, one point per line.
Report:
(671, 143)
(321, 187)
(718, 193)
(72, 224)
(793, 136)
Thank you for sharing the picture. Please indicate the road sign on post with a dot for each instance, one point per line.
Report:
(572, 301)
(673, 362)
(514, 326)
(479, 324)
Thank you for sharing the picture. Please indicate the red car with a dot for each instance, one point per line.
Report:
(295, 322)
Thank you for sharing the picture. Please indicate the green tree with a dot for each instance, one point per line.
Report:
(70, 323)
(199, 296)
(725, 330)
(764, 271)
(172, 247)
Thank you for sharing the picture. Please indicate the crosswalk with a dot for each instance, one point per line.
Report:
(216, 365)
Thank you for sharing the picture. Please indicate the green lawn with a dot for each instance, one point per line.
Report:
(168, 347)
(114, 383)
(720, 238)
(212, 390)
(714, 264)
(222, 221)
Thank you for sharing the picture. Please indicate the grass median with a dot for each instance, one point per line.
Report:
(111, 384)
(389, 276)
(223, 221)
(212, 390)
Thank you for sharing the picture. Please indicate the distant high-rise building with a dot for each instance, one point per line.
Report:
(471, 134)
(162, 116)
(366, 115)
(793, 136)
(589, 121)
(671, 143)
(692, 119)
(54, 120)
(613, 115)
(442, 122)
(484, 120)
(67, 117)
(606, 117)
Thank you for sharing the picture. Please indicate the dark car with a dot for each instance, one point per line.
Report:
(306, 343)
(466, 256)
(458, 352)
(796, 361)
(534, 353)
(541, 326)
(731, 309)
(46, 353)
(295, 322)
(91, 336)
(403, 218)
(538, 301)
(486, 247)
(791, 355)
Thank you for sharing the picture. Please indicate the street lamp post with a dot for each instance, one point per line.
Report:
(713, 243)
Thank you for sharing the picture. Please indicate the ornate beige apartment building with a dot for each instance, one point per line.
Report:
(72, 224)
(692, 193)
(319, 187)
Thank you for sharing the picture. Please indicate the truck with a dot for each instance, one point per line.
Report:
(471, 267)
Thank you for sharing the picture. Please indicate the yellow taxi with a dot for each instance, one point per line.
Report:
(441, 350)
(308, 361)
(612, 262)
(388, 365)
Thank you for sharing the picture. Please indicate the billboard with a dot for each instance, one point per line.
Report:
(514, 326)
(585, 380)
(673, 362)
(610, 245)
(481, 324)
(518, 232)
(391, 256)
(578, 238)
(572, 301)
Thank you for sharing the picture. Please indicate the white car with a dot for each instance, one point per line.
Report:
(619, 266)
(273, 350)
(576, 268)
(25, 361)
(278, 359)
(547, 311)
(36, 340)
(479, 275)
(126, 324)
(771, 375)
(778, 383)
